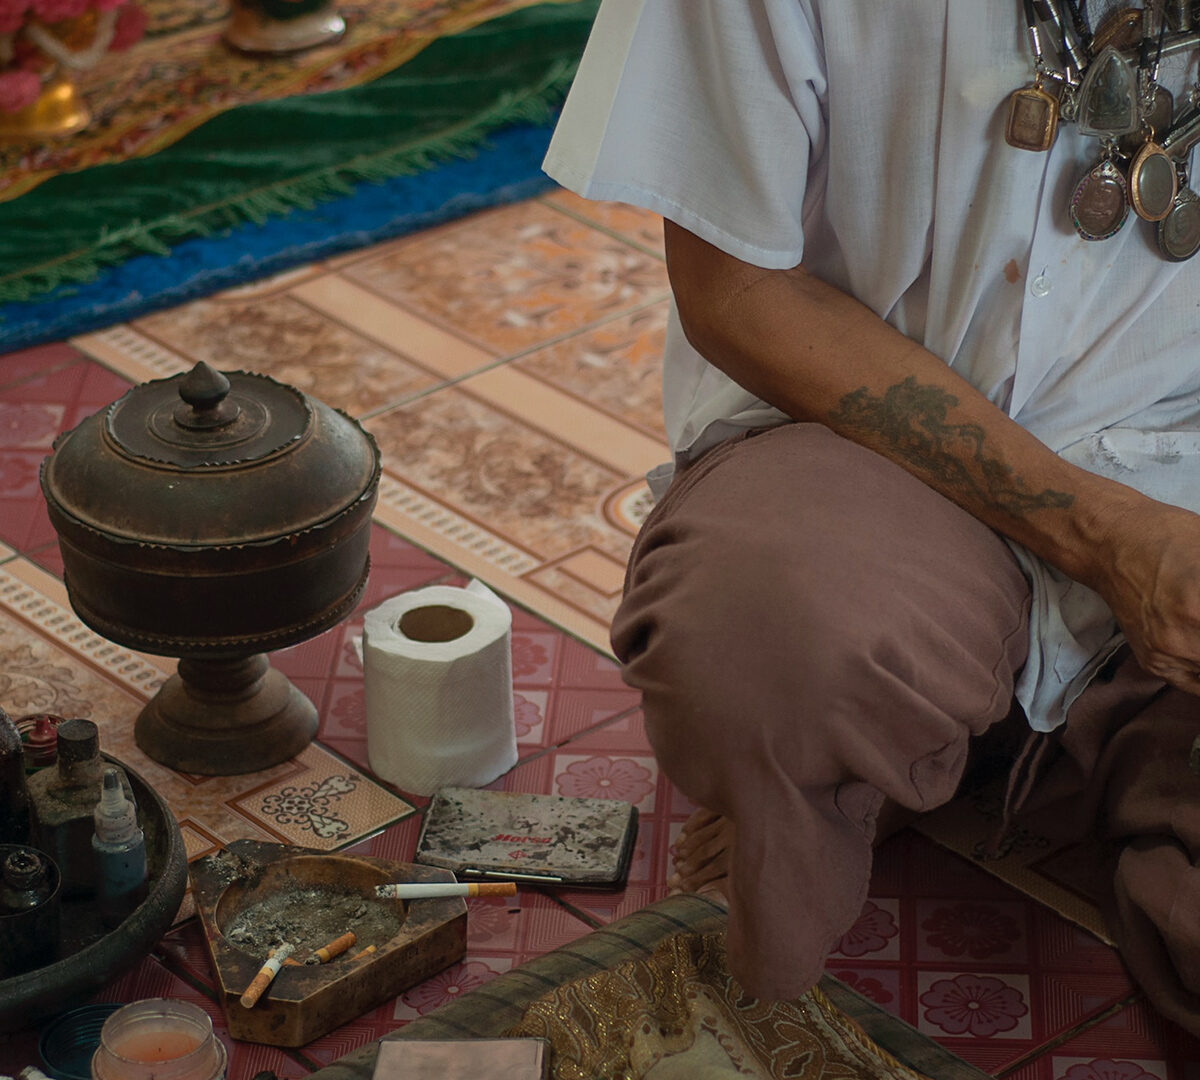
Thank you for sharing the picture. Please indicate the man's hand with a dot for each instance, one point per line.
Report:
(1148, 571)
(819, 355)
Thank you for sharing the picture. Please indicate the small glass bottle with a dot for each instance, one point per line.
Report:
(159, 1039)
(16, 822)
(120, 850)
(64, 799)
(29, 910)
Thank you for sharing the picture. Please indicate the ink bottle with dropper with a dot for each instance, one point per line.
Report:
(120, 849)
(64, 798)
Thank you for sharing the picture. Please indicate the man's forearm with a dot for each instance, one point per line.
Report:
(817, 354)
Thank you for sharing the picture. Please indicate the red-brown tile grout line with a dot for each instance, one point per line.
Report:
(1104, 1012)
(502, 361)
(608, 231)
(44, 372)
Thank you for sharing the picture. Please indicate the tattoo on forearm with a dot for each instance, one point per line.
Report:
(911, 420)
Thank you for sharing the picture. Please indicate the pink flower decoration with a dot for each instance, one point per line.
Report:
(866, 985)
(487, 918)
(18, 475)
(977, 1004)
(53, 11)
(131, 26)
(527, 656)
(448, 985)
(27, 425)
(604, 778)
(975, 929)
(351, 712)
(526, 715)
(18, 89)
(1102, 1069)
(12, 15)
(874, 928)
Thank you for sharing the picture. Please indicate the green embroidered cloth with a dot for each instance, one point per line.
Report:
(259, 160)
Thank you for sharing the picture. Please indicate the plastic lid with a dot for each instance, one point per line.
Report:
(115, 815)
(68, 1042)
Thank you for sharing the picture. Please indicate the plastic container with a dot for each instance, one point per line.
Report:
(159, 1039)
(68, 1042)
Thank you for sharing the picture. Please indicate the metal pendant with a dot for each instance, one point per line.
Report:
(1178, 234)
(1122, 30)
(1157, 115)
(1032, 118)
(1153, 182)
(1108, 98)
(1098, 205)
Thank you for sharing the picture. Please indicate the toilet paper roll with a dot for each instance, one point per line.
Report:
(437, 666)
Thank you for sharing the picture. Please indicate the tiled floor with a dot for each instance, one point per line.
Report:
(507, 364)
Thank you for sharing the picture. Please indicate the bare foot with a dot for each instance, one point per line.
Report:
(701, 863)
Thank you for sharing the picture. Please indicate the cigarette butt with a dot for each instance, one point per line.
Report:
(266, 973)
(366, 952)
(426, 890)
(290, 962)
(335, 948)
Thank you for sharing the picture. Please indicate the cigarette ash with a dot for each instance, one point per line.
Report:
(312, 917)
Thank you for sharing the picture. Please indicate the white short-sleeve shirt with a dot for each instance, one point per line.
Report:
(865, 140)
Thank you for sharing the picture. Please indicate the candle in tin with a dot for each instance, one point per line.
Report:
(159, 1039)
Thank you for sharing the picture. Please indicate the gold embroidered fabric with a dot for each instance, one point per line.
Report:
(677, 1014)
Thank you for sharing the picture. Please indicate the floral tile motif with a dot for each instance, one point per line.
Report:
(974, 1005)
(630, 348)
(952, 930)
(532, 491)
(327, 805)
(875, 936)
(514, 277)
(280, 336)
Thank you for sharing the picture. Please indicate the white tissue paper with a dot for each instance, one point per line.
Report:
(437, 669)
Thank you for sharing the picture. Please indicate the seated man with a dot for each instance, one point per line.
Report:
(934, 404)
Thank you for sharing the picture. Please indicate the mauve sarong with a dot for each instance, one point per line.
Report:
(814, 630)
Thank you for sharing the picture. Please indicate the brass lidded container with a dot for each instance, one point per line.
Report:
(214, 517)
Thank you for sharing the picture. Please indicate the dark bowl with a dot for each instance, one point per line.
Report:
(28, 998)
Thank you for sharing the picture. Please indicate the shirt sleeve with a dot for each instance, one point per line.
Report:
(708, 112)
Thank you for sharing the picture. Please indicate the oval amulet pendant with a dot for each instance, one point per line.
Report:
(1178, 233)
(1099, 206)
(1153, 183)
(1032, 118)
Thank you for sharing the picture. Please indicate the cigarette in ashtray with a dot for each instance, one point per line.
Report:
(266, 973)
(335, 948)
(366, 952)
(432, 890)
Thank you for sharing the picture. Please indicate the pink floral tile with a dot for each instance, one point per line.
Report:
(974, 1005)
(955, 931)
(880, 985)
(874, 937)
(32, 414)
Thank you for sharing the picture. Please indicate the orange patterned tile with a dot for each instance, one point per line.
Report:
(514, 278)
(384, 320)
(284, 338)
(616, 367)
(529, 490)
